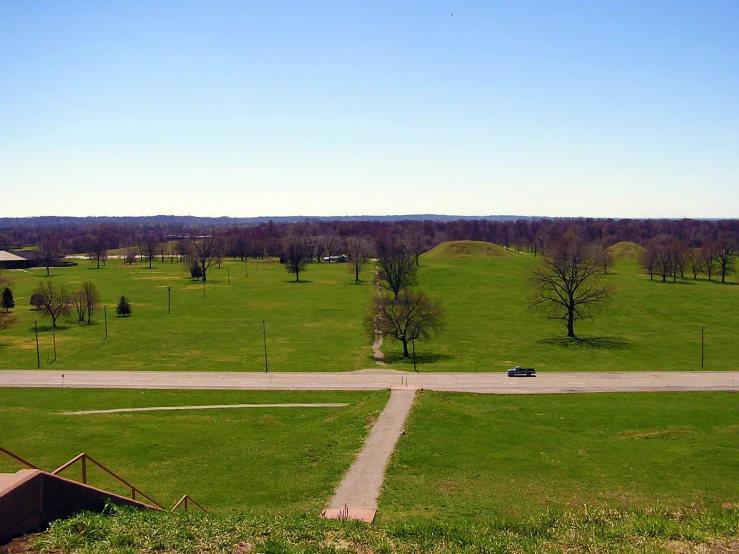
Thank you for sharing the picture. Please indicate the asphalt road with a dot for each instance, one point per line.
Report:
(377, 379)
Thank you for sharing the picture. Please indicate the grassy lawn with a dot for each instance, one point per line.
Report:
(649, 326)
(472, 456)
(317, 325)
(271, 460)
(311, 326)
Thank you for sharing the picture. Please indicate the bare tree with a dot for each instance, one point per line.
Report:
(47, 253)
(295, 254)
(708, 256)
(604, 255)
(149, 245)
(693, 262)
(54, 301)
(647, 261)
(396, 268)
(92, 298)
(97, 245)
(417, 243)
(79, 302)
(332, 244)
(567, 282)
(411, 316)
(206, 249)
(359, 250)
(725, 248)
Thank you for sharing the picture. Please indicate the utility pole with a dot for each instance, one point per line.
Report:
(38, 352)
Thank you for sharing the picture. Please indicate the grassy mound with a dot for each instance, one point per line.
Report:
(626, 250)
(585, 530)
(468, 249)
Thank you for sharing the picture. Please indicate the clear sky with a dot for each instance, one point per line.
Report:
(248, 108)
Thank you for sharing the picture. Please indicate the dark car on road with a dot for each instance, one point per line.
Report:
(519, 371)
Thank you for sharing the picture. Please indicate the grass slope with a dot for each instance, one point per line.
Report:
(468, 249)
(480, 456)
(626, 250)
(642, 531)
(279, 460)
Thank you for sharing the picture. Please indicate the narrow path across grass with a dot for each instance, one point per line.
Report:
(214, 407)
(357, 494)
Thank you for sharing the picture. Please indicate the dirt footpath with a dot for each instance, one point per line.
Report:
(360, 488)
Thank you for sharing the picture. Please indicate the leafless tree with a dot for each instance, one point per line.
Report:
(149, 244)
(708, 256)
(567, 282)
(130, 256)
(92, 298)
(647, 261)
(47, 253)
(97, 245)
(693, 262)
(79, 302)
(417, 243)
(333, 245)
(396, 268)
(55, 301)
(411, 316)
(295, 254)
(725, 248)
(206, 249)
(604, 256)
(359, 250)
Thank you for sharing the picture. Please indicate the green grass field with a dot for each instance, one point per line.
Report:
(270, 460)
(480, 456)
(314, 325)
(317, 325)
(649, 325)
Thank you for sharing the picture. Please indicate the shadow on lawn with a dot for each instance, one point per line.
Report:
(592, 343)
(420, 358)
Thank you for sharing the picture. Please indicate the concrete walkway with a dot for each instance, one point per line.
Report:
(357, 494)
(377, 379)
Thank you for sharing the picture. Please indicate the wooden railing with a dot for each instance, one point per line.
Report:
(184, 501)
(83, 458)
(18, 459)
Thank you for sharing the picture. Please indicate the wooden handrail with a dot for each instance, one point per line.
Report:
(17, 458)
(184, 501)
(84, 458)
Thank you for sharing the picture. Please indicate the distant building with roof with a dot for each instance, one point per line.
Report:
(8, 260)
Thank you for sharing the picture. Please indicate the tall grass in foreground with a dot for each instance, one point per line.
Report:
(646, 530)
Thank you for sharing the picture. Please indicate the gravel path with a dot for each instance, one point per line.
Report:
(213, 407)
(360, 488)
(376, 352)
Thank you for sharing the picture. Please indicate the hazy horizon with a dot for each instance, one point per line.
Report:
(613, 109)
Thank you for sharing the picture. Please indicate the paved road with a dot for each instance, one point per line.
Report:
(376, 379)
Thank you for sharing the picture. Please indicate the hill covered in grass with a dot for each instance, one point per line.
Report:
(468, 249)
(626, 250)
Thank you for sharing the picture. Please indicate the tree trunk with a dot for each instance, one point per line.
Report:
(570, 323)
(405, 348)
(203, 274)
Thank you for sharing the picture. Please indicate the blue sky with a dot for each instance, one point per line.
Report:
(559, 108)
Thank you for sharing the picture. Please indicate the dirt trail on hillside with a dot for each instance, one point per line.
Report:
(360, 488)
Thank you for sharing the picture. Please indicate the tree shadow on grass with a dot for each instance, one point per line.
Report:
(48, 328)
(589, 343)
(294, 282)
(421, 359)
